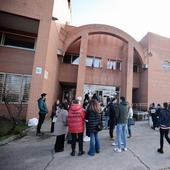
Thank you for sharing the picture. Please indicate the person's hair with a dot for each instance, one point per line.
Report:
(63, 106)
(75, 102)
(94, 106)
(165, 104)
(43, 95)
(122, 98)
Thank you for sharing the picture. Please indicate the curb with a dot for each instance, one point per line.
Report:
(15, 137)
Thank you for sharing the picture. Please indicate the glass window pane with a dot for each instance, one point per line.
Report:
(75, 59)
(118, 65)
(67, 59)
(13, 87)
(2, 81)
(0, 37)
(19, 41)
(89, 61)
(97, 62)
(26, 88)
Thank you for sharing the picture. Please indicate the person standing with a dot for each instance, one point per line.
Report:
(122, 118)
(94, 118)
(42, 112)
(76, 118)
(60, 128)
(130, 118)
(113, 108)
(164, 120)
(152, 111)
(55, 108)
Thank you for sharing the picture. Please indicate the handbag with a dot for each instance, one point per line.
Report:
(131, 121)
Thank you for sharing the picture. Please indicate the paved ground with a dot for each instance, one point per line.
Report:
(36, 153)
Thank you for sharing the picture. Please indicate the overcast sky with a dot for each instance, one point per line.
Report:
(136, 17)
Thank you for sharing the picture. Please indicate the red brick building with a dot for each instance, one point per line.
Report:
(41, 52)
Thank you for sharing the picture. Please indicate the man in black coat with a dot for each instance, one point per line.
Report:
(112, 108)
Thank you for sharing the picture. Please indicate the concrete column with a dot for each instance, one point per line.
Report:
(39, 61)
(82, 65)
(129, 73)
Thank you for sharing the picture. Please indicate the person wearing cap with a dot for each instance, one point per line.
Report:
(42, 112)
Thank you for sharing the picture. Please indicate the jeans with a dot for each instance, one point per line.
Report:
(121, 134)
(129, 130)
(164, 132)
(94, 144)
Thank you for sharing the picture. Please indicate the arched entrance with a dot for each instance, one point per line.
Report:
(83, 35)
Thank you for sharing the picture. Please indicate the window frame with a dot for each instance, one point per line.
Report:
(21, 92)
(2, 41)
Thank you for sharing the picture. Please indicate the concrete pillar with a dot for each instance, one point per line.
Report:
(82, 65)
(129, 73)
(39, 61)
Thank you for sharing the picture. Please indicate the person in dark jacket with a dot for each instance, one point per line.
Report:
(113, 108)
(164, 120)
(76, 119)
(54, 114)
(152, 111)
(122, 119)
(42, 112)
(94, 118)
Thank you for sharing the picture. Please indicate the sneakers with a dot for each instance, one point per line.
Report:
(86, 139)
(160, 151)
(124, 149)
(117, 150)
(113, 144)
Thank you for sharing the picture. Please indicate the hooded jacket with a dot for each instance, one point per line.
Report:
(76, 117)
(122, 115)
(42, 106)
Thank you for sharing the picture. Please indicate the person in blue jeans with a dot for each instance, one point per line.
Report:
(94, 118)
(122, 118)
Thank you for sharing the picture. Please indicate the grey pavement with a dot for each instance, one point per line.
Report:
(36, 153)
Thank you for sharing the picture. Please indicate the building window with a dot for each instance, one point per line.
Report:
(136, 68)
(71, 59)
(14, 87)
(113, 65)
(19, 41)
(75, 59)
(93, 62)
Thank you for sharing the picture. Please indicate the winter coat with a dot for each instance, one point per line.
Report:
(164, 118)
(76, 118)
(42, 106)
(113, 110)
(93, 120)
(122, 115)
(60, 126)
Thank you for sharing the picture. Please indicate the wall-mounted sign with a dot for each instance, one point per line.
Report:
(46, 75)
(38, 70)
(166, 65)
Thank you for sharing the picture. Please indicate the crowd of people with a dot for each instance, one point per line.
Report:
(70, 120)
